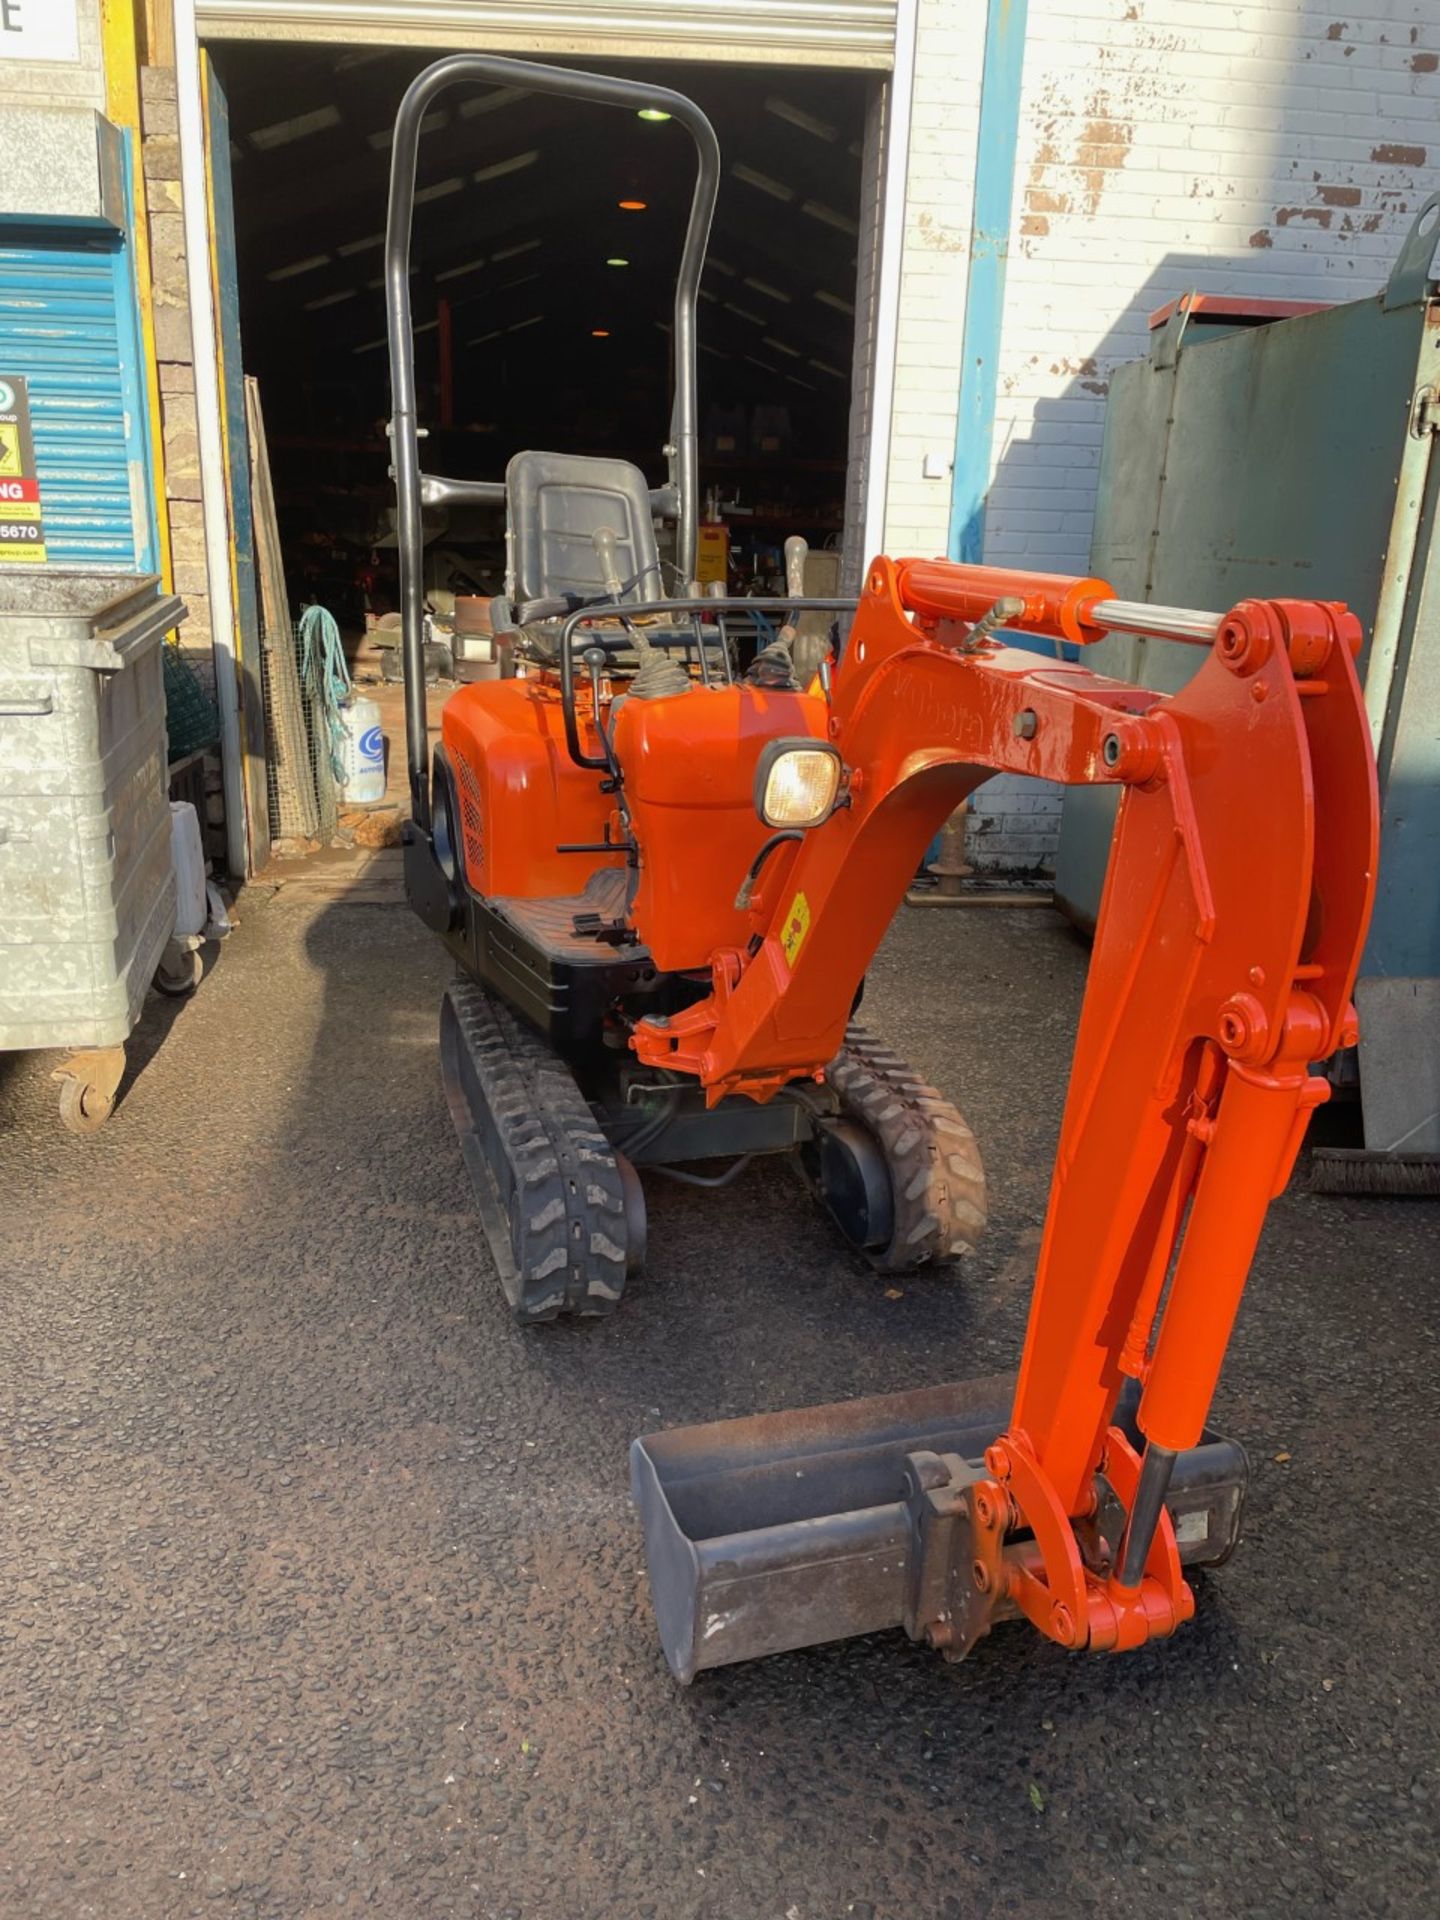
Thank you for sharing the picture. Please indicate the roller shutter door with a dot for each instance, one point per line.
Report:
(67, 324)
(832, 33)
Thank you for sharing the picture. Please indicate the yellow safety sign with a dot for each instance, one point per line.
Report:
(797, 925)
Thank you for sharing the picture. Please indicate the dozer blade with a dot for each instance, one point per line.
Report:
(563, 1215)
(786, 1530)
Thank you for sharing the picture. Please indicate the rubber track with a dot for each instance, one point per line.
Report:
(553, 1172)
(936, 1173)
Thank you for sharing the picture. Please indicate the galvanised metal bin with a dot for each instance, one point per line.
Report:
(87, 896)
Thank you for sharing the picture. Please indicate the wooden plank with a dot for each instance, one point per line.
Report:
(288, 744)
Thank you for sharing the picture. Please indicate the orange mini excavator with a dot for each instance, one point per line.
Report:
(609, 823)
(741, 843)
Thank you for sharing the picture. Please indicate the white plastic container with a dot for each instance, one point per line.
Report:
(362, 753)
(187, 856)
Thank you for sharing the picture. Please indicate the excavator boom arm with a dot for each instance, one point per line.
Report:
(1229, 935)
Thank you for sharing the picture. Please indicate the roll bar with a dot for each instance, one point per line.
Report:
(413, 490)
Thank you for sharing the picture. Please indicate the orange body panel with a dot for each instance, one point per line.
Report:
(520, 794)
(689, 764)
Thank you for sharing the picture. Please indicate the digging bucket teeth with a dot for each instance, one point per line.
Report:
(787, 1530)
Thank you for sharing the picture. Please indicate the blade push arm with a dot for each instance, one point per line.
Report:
(1235, 909)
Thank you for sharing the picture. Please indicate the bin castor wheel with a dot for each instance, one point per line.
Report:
(89, 1081)
(84, 1106)
(179, 974)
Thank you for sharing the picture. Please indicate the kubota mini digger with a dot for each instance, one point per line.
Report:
(743, 844)
(613, 821)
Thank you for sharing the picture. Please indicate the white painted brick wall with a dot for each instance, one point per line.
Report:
(1274, 149)
(940, 184)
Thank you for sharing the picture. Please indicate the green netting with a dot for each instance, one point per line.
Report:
(190, 716)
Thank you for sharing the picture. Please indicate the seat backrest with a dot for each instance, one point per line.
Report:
(554, 503)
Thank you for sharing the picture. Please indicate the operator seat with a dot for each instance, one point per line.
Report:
(555, 502)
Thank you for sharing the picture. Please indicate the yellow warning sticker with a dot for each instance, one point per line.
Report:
(10, 464)
(797, 925)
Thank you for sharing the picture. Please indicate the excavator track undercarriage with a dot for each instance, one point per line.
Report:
(551, 1193)
(931, 1202)
(888, 1157)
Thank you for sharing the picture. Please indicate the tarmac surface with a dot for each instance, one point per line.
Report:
(320, 1593)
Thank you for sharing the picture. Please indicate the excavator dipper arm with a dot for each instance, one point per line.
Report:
(1234, 913)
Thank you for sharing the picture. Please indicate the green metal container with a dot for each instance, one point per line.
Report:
(1299, 459)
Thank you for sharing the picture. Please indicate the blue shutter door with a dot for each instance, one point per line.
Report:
(67, 325)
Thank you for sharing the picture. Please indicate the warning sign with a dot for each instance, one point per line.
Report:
(22, 530)
(797, 925)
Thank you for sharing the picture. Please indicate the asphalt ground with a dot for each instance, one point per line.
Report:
(320, 1592)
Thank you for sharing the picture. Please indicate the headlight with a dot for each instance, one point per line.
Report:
(796, 783)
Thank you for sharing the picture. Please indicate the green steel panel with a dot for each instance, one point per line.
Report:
(1262, 462)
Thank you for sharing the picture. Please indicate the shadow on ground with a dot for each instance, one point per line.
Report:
(321, 1592)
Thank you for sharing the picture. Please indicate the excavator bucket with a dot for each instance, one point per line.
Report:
(786, 1530)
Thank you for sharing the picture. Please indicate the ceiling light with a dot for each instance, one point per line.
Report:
(652, 113)
(631, 206)
(440, 190)
(520, 280)
(426, 326)
(833, 300)
(432, 122)
(744, 313)
(762, 363)
(361, 246)
(599, 333)
(307, 265)
(282, 132)
(330, 300)
(823, 366)
(616, 261)
(456, 273)
(714, 352)
(499, 168)
(792, 353)
(482, 339)
(509, 253)
(777, 189)
(797, 117)
(763, 286)
(721, 266)
(479, 103)
(796, 381)
(520, 325)
(830, 218)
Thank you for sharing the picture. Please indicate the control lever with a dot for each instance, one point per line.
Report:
(797, 551)
(603, 541)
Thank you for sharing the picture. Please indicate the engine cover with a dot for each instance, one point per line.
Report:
(689, 762)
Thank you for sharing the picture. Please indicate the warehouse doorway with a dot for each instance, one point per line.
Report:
(546, 239)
